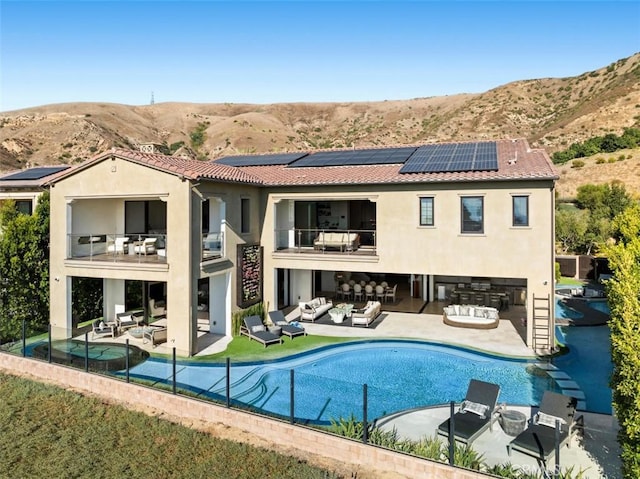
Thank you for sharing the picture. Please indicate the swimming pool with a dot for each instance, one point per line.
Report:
(601, 306)
(328, 382)
(563, 311)
(102, 356)
(589, 364)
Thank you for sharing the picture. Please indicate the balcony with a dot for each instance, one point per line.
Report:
(213, 245)
(347, 242)
(118, 248)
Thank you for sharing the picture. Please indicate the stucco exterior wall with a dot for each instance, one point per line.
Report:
(403, 246)
(92, 200)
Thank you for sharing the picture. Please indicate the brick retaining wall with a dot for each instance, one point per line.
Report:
(278, 432)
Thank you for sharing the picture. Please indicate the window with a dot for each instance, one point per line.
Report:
(426, 211)
(24, 206)
(245, 217)
(472, 214)
(520, 211)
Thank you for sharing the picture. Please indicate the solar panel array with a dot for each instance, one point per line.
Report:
(482, 156)
(35, 173)
(261, 160)
(383, 156)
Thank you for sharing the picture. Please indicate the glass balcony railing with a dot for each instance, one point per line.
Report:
(212, 245)
(126, 248)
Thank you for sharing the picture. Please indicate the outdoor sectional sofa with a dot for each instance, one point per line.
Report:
(469, 316)
(342, 241)
(366, 316)
(312, 310)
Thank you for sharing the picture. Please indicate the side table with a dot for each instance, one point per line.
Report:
(277, 330)
(512, 422)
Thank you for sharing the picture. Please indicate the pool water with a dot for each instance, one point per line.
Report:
(589, 363)
(328, 383)
(601, 306)
(565, 312)
(101, 356)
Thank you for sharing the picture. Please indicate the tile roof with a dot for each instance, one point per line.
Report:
(183, 167)
(528, 165)
(516, 161)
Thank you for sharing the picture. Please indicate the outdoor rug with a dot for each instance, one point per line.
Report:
(326, 319)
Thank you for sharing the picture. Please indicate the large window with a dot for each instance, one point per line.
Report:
(245, 216)
(520, 211)
(472, 214)
(426, 211)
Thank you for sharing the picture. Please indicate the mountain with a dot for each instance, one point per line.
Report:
(550, 112)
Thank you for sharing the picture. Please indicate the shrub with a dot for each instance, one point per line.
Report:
(611, 160)
(600, 160)
(622, 158)
(577, 164)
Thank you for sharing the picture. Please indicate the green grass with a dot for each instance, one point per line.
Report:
(570, 281)
(242, 349)
(50, 432)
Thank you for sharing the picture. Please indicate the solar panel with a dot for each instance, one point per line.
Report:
(482, 156)
(381, 156)
(35, 173)
(261, 160)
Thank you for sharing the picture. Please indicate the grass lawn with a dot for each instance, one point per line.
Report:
(565, 281)
(50, 432)
(242, 349)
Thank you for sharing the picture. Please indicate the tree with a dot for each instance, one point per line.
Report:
(623, 293)
(571, 226)
(24, 270)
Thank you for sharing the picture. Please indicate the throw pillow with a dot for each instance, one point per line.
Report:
(125, 318)
(492, 314)
(323, 300)
(255, 329)
(479, 313)
(475, 408)
(549, 420)
(464, 311)
(102, 325)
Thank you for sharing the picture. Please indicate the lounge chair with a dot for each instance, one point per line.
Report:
(102, 329)
(278, 319)
(539, 439)
(476, 412)
(145, 247)
(255, 329)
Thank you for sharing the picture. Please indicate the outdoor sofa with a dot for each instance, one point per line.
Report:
(341, 241)
(129, 319)
(365, 316)
(312, 310)
(468, 316)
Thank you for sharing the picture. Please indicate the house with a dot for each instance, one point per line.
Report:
(450, 218)
(24, 187)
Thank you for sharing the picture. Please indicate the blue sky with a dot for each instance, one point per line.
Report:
(297, 51)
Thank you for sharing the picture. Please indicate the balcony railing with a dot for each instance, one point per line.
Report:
(212, 245)
(124, 248)
(346, 241)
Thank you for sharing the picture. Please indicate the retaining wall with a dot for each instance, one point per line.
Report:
(284, 434)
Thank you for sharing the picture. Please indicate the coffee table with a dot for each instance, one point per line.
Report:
(337, 315)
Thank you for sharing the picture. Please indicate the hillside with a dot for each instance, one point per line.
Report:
(623, 165)
(550, 113)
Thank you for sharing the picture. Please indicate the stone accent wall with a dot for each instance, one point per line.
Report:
(282, 433)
